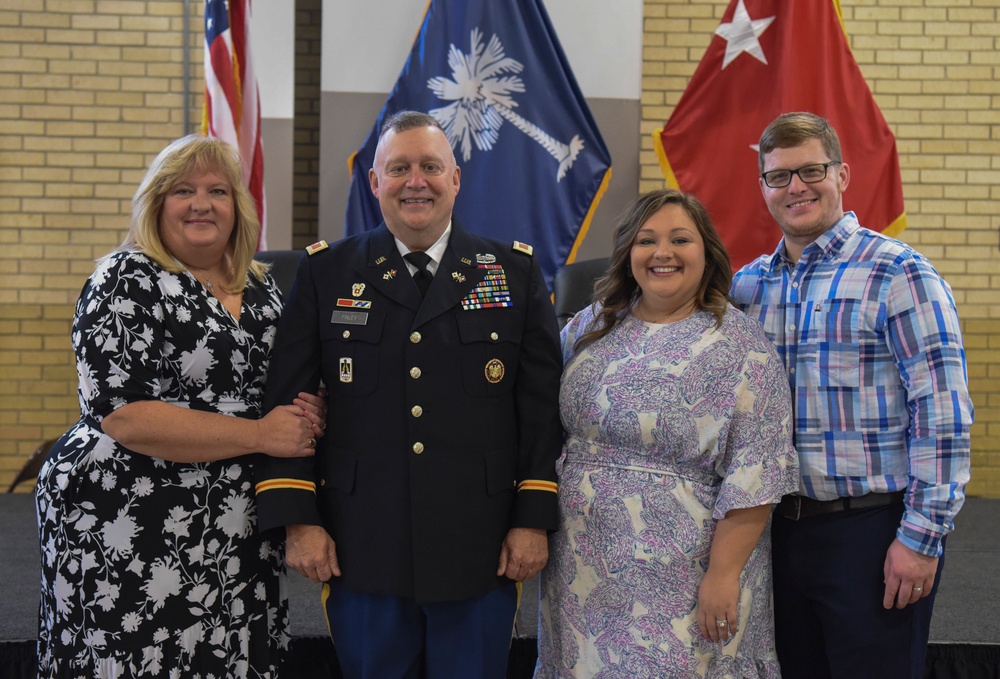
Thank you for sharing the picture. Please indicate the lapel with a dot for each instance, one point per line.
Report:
(457, 275)
(385, 270)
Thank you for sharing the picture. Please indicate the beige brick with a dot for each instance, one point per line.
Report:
(69, 97)
(20, 189)
(122, 7)
(120, 69)
(151, 54)
(70, 6)
(69, 37)
(121, 38)
(96, 53)
(96, 22)
(122, 99)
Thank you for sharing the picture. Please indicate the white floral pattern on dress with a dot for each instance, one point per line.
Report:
(668, 428)
(152, 568)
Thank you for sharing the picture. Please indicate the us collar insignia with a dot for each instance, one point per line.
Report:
(379, 261)
(466, 261)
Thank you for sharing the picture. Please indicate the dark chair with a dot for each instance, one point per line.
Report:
(573, 287)
(283, 263)
(29, 472)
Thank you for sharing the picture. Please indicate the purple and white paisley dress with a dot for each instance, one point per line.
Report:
(668, 428)
(153, 568)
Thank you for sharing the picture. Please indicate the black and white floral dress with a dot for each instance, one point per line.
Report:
(154, 568)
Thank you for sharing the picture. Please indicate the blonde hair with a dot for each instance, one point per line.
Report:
(181, 158)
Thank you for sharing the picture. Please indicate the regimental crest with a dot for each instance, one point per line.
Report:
(357, 289)
(494, 371)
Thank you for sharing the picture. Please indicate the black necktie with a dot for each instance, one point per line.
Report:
(423, 276)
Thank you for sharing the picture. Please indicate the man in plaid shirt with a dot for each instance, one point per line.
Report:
(871, 342)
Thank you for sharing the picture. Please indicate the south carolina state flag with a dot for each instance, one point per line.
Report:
(533, 162)
(232, 103)
(770, 57)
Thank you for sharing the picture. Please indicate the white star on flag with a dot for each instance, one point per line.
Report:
(741, 35)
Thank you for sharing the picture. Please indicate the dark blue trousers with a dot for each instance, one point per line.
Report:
(386, 637)
(828, 589)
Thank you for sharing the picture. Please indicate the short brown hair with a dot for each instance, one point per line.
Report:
(794, 129)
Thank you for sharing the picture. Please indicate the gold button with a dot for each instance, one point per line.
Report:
(494, 336)
(415, 372)
(415, 337)
(347, 333)
(416, 411)
(322, 482)
(418, 447)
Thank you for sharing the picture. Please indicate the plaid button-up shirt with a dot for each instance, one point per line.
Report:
(870, 339)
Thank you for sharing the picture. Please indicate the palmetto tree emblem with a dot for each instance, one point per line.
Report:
(481, 87)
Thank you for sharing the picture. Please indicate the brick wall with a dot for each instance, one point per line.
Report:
(90, 90)
(934, 67)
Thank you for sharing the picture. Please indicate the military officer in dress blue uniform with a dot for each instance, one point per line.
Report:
(432, 494)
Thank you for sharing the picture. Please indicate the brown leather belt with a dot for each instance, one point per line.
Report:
(797, 507)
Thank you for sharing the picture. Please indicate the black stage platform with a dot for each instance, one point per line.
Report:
(965, 631)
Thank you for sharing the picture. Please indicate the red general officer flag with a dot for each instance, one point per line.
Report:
(232, 103)
(770, 57)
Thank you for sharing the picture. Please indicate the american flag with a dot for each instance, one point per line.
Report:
(232, 103)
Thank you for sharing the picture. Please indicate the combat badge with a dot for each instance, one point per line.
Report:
(346, 370)
(494, 371)
(486, 259)
(317, 247)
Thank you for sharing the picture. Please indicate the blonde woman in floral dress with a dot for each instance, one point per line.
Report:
(151, 562)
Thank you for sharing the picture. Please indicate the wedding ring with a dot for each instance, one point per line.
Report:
(311, 443)
(722, 623)
(918, 590)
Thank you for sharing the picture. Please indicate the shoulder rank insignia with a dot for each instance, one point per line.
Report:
(317, 247)
(523, 247)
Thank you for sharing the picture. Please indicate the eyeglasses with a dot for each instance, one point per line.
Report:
(810, 174)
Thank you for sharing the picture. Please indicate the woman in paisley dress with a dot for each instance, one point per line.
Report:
(677, 418)
(151, 562)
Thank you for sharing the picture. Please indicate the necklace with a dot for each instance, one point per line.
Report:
(210, 286)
